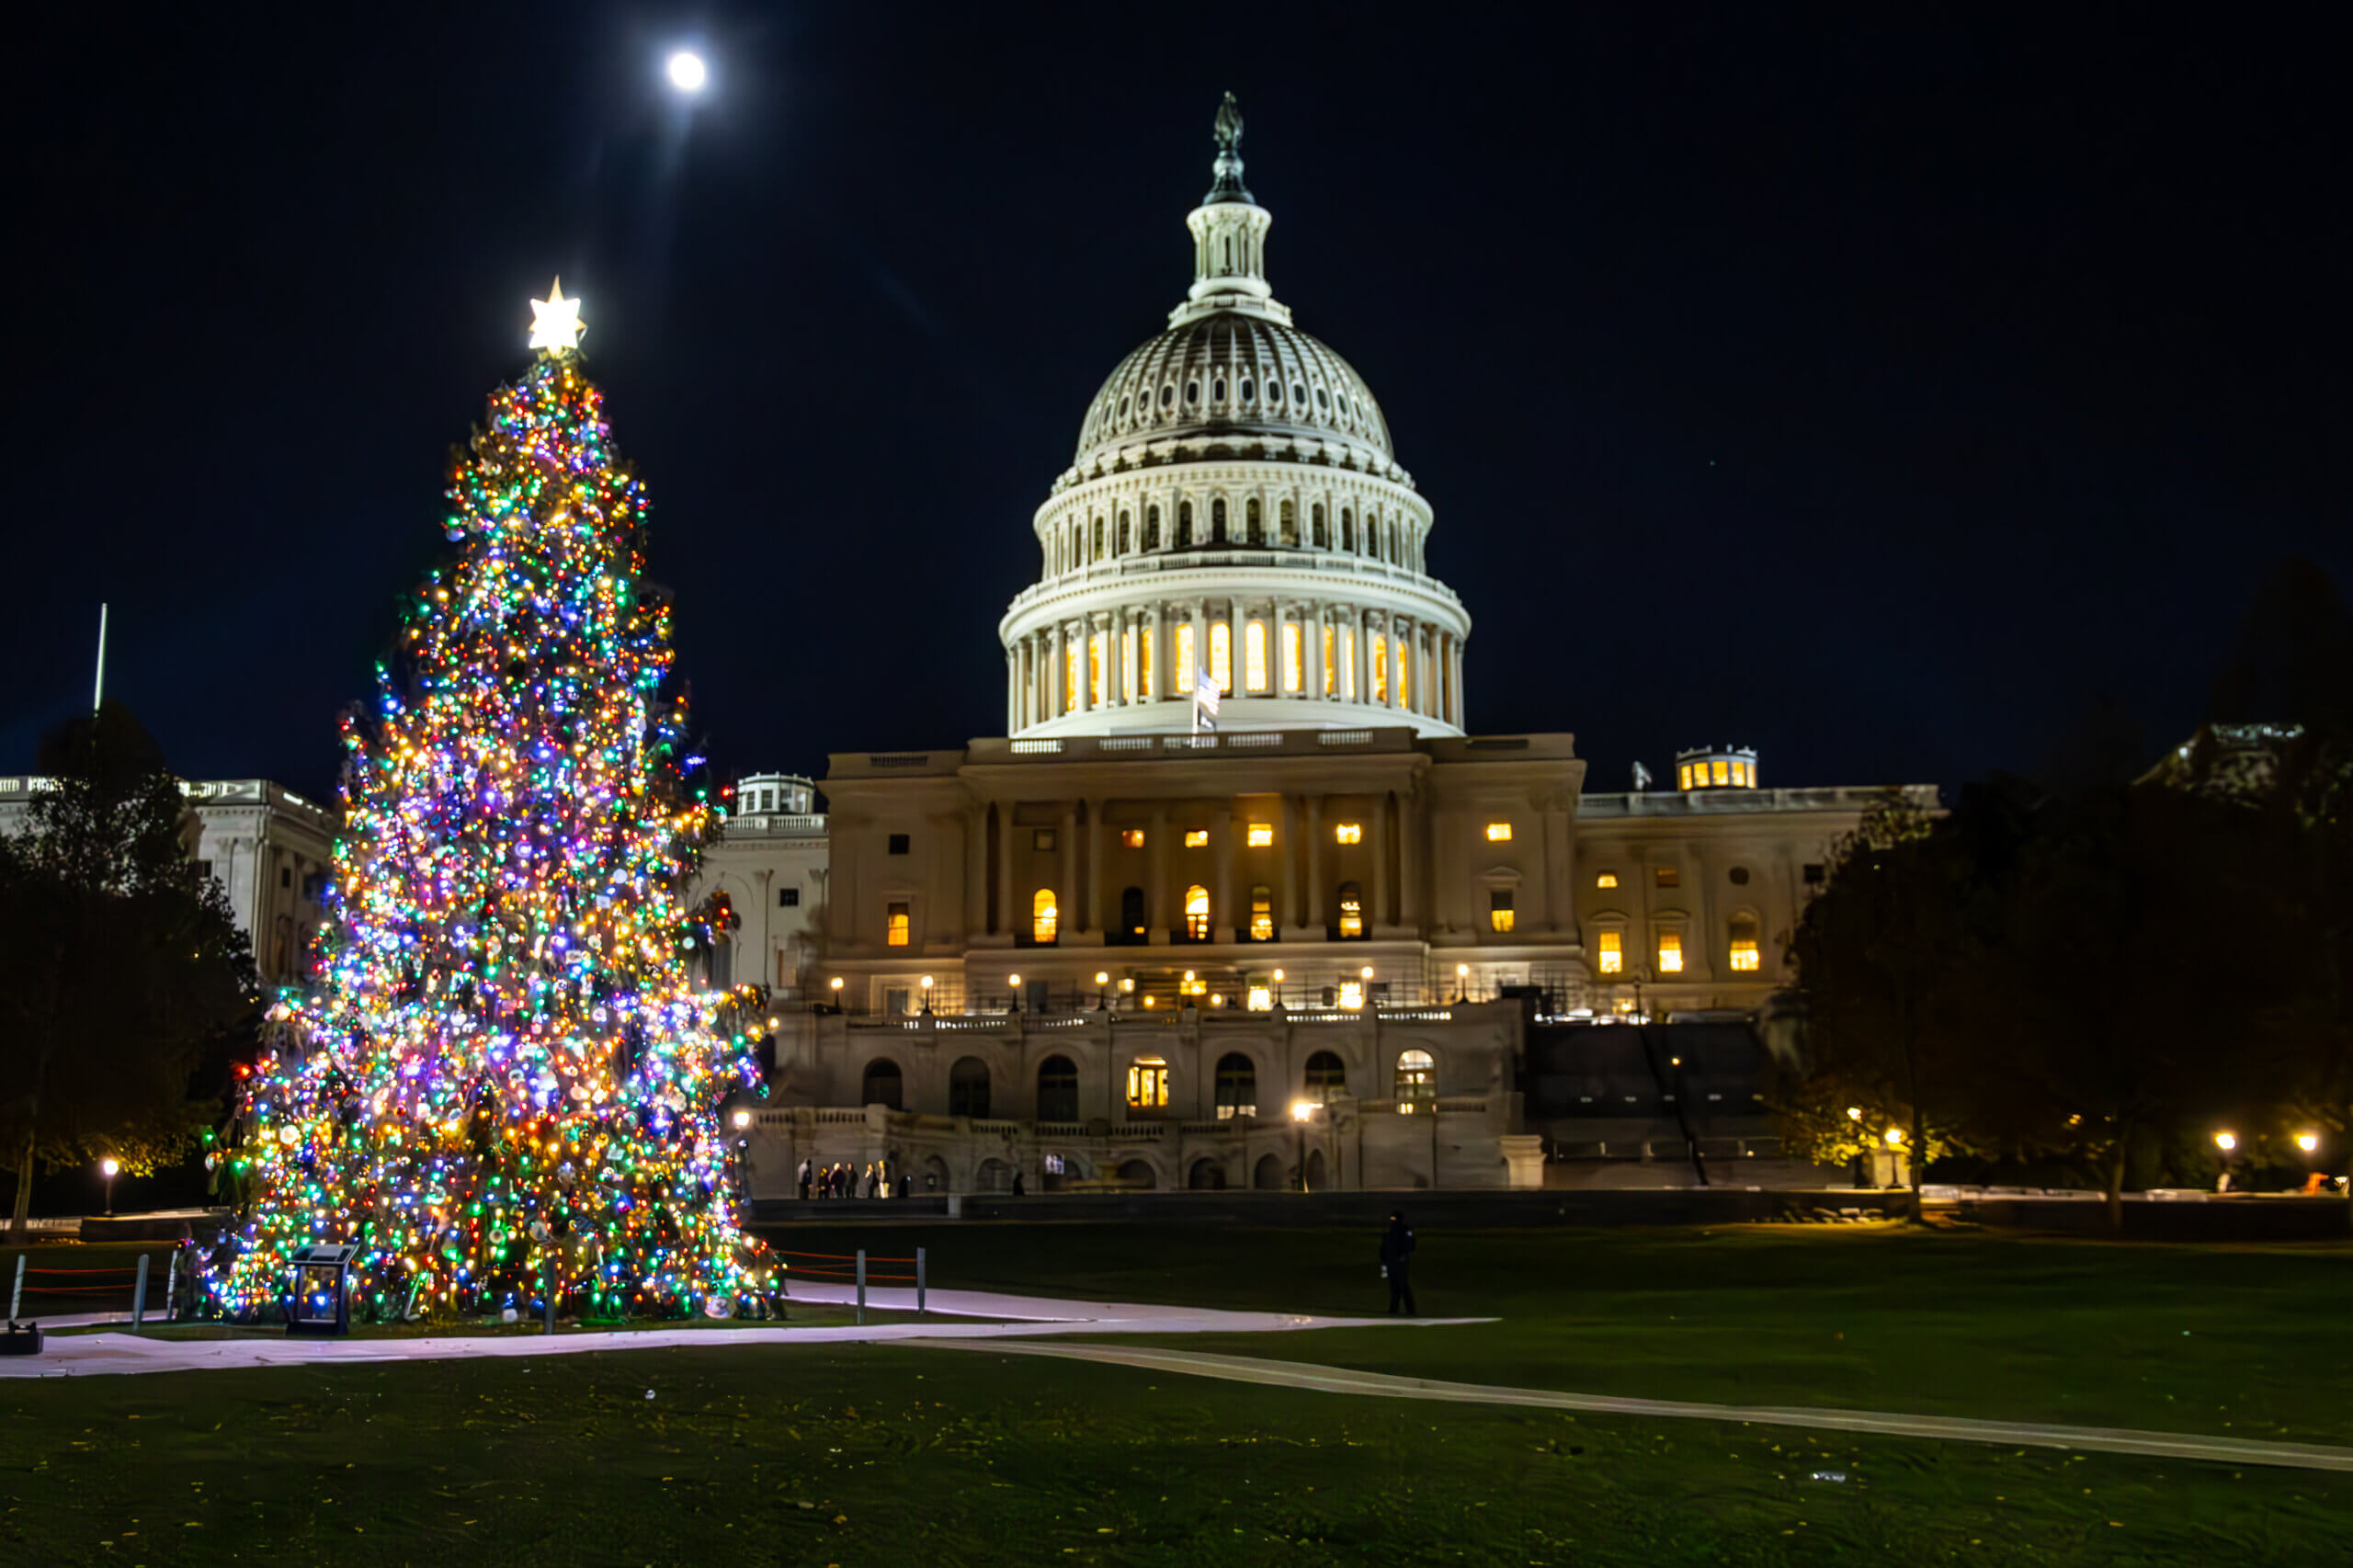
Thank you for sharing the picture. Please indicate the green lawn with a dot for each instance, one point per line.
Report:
(874, 1455)
(2242, 1342)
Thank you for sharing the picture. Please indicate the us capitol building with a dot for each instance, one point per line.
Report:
(1325, 938)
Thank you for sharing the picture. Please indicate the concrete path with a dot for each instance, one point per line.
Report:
(1340, 1380)
(87, 1354)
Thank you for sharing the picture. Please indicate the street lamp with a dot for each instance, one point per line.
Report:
(1013, 994)
(1896, 1137)
(1102, 1000)
(107, 1167)
(927, 993)
(2308, 1141)
(742, 1119)
(2226, 1142)
(837, 992)
(1301, 1112)
(1279, 988)
(1462, 982)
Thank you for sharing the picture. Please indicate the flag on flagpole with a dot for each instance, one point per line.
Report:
(1205, 696)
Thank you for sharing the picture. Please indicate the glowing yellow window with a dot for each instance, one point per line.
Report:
(1133, 838)
(1740, 773)
(1222, 655)
(1262, 1000)
(1743, 954)
(1293, 657)
(1499, 909)
(1670, 952)
(1683, 776)
(1606, 879)
(1348, 664)
(1186, 660)
(1197, 838)
(1744, 943)
(1144, 665)
(1405, 674)
(1197, 913)
(1722, 770)
(1044, 918)
(1262, 914)
(1148, 1083)
(1094, 669)
(1352, 994)
(1499, 833)
(895, 925)
(1351, 911)
(1254, 654)
(1379, 667)
(1128, 664)
(1191, 986)
(1612, 952)
(1348, 832)
(1330, 672)
(1261, 835)
(1070, 677)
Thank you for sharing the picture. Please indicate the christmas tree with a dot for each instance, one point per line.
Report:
(502, 1066)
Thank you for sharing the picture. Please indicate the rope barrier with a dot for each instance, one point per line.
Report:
(126, 1268)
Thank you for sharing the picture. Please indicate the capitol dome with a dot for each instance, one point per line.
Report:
(1234, 521)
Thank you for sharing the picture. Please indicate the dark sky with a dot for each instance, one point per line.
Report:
(1880, 390)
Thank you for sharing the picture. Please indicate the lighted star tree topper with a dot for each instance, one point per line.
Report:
(502, 1064)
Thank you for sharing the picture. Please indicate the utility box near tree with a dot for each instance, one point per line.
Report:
(319, 1292)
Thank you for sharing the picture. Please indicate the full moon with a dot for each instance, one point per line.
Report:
(688, 73)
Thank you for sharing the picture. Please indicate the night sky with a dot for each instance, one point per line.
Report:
(1881, 390)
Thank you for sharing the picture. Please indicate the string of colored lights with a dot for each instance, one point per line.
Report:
(502, 1061)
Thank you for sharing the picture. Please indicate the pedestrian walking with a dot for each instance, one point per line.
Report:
(1396, 1264)
(804, 1181)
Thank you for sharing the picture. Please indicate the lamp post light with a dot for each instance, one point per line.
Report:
(1301, 1111)
(107, 1167)
(2226, 1141)
(1102, 994)
(1013, 993)
(836, 988)
(1462, 982)
(926, 995)
(2308, 1141)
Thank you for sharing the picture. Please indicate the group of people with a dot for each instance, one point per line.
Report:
(845, 1181)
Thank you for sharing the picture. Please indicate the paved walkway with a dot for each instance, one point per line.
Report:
(1341, 1380)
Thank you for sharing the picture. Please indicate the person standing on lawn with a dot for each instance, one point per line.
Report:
(1396, 1260)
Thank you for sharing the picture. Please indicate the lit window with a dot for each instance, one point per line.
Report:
(1133, 838)
(1294, 654)
(1148, 1085)
(1740, 773)
(1379, 667)
(1666, 877)
(1348, 664)
(1331, 674)
(1683, 776)
(1416, 1081)
(1197, 913)
(1351, 994)
(1405, 674)
(1261, 835)
(1499, 909)
(1606, 879)
(1070, 677)
(1222, 655)
(1262, 1000)
(895, 925)
(1044, 918)
(1670, 952)
(1254, 654)
(1237, 1086)
(1197, 838)
(1262, 914)
(1128, 664)
(1721, 770)
(1186, 663)
(1613, 953)
(1499, 833)
(1351, 909)
(1094, 669)
(1191, 986)
(1744, 943)
(1348, 832)
(1144, 665)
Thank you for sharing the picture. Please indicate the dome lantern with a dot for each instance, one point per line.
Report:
(1229, 238)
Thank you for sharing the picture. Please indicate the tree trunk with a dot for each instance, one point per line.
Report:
(19, 1223)
(1917, 1155)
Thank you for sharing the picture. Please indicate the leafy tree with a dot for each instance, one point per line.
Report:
(120, 964)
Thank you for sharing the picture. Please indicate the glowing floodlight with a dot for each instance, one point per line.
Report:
(686, 71)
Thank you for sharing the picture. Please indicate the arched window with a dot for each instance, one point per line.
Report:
(1197, 913)
(881, 1084)
(1045, 919)
(968, 1087)
(1347, 530)
(1152, 527)
(1148, 1083)
(1325, 1077)
(1253, 655)
(1287, 519)
(1217, 520)
(1237, 1086)
(1267, 1176)
(1322, 534)
(1351, 911)
(1127, 532)
(1262, 914)
(1101, 545)
(1745, 954)
(1184, 523)
(1057, 1090)
(1222, 655)
(1416, 1081)
(1253, 521)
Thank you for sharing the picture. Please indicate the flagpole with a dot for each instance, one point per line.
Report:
(98, 691)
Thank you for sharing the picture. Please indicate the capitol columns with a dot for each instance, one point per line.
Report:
(1058, 697)
(1156, 661)
(1115, 664)
(1312, 660)
(1156, 840)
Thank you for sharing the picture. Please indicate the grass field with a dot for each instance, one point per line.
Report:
(872, 1455)
(967, 1458)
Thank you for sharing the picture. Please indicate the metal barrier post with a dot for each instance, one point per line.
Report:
(17, 1296)
(138, 1295)
(861, 1286)
(171, 1283)
(918, 1281)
